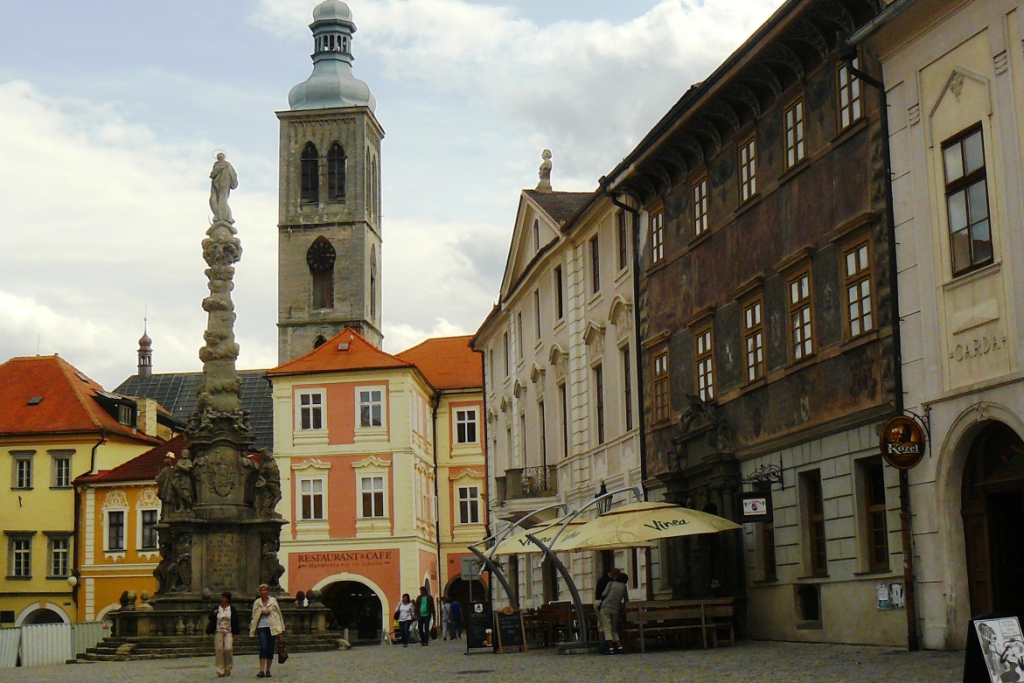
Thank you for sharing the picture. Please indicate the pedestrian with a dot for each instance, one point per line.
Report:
(424, 615)
(446, 620)
(268, 624)
(405, 615)
(602, 583)
(224, 628)
(456, 611)
(614, 595)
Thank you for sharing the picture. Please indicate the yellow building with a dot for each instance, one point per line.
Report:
(56, 425)
(382, 473)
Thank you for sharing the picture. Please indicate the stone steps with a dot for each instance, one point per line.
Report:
(114, 649)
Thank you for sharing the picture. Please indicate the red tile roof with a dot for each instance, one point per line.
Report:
(447, 362)
(48, 395)
(347, 350)
(144, 467)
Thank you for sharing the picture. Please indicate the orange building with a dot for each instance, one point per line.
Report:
(383, 473)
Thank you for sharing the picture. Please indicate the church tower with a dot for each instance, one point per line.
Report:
(329, 241)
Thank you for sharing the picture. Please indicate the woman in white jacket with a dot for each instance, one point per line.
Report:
(268, 624)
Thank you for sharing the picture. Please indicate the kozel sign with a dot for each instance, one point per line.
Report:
(902, 442)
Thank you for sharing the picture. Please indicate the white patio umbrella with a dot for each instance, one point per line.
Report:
(640, 524)
(519, 544)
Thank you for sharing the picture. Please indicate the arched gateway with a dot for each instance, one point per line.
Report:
(355, 606)
(992, 506)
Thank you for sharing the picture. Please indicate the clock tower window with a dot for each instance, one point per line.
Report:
(320, 258)
(310, 169)
(336, 173)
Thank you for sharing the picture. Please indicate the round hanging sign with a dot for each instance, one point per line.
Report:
(902, 442)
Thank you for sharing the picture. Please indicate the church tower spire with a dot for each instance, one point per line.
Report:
(329, 238)
(145, 352)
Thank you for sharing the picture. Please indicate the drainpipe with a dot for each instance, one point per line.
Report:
(848, 53)
(434, 403)
(641, 417)
(92, 461)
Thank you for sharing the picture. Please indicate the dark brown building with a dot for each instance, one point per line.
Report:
(766, 329)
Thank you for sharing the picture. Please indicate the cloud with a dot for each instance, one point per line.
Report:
(103, 221)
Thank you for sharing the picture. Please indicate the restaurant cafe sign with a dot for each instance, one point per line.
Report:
(902, 442)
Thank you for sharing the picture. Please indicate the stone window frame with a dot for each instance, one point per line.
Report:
(537, 329)
(115, 503)
(469, 504)
(336, 177)
(147, 502)
(52, 539)
(60, 468)
(814, 523)
(600, 428)
(309, 174)
(595, 264)
(794, 131)
(316, 498)
(962, 185)
(704, 362)
(622, 236)
(661, 395)
(370, 403)
(793, 269)
(22, 470)
(520, 339)
(752, 320)
(370, 469)
(17, 569)
(468, 422)
(626, 359)
(746, 152)
(860, 315)
(558, 274)
(317, 409)
(874, 513)
(849, 95)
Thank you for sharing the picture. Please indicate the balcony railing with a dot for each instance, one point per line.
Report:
(531, 482)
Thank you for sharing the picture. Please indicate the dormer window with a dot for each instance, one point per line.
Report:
(124, 416)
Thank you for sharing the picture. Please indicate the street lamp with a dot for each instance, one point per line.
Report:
(604, 501)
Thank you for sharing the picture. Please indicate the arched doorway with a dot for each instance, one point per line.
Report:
(460, 590)
(356, 607)
(992, 506)
(34, 614)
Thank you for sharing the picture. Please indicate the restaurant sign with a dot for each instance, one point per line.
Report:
(756, 507)
(902, 442)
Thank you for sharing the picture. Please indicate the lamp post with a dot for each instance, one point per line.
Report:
(604, 501)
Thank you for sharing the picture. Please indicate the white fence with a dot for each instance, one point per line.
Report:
(42, 644)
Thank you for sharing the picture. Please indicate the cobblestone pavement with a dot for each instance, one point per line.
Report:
(759, 662)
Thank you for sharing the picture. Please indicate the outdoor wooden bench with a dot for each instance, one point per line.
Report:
(679, 619)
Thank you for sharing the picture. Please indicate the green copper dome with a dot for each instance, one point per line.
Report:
(331, 84)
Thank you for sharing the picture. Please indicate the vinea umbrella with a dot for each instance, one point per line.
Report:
(519, 544)
(640, 524)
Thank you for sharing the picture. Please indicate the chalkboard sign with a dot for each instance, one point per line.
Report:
(477, 618)
(508, 624)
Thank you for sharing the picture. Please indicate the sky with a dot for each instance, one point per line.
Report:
(111, 112)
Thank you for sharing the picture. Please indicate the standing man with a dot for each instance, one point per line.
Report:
(424, 615)
(446, 620)
(456, 611)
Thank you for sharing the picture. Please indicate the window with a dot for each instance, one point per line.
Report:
(504, 341)
(704, 359)
(849, 95)
(150, 536)
(371, 403)
(877, 532)
(536, 314)
(21, 557)
(61, 468)
(124, 416)
(508, 444)
(520, 340)
(311, 498)
(336, 173)
(115, 530)
(794, 121)
(60, 556)
(595, 265)
(373, 282)
(700, 206)
(311, 410)
(309, 165)
(657, 236)
(970, 234)
(748, 169)
(800, 321)
(753, 340)
(320, 257)
(522, 438)
(660, 386)
(627, 388)
(857, 283)
(465, 425)
(373, 496)
(542, 420)
(559, 294)
(768, 551)
(536, 236)
(469, 505)
(599, 401)
(623, 233)
(814, 508)
(563, 401)
(21, 477)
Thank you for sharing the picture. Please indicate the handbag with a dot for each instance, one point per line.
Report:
(433, 633)
(282, 651)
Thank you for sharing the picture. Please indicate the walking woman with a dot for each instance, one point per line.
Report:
(268, 624)
(224, 627)
(404, 615)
